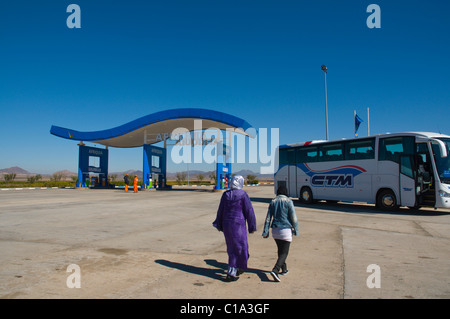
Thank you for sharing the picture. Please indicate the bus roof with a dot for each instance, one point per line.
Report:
(418, 134)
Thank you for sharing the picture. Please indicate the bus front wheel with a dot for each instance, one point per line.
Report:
(386, 200)
(306, 195)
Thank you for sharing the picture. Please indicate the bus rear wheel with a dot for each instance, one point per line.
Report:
(386, 200)
(306, 195)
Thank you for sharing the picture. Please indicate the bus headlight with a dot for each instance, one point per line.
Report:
(444, 194)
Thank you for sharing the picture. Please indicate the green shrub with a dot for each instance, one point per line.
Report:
(37, 184)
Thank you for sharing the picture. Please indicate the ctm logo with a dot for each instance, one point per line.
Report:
(342, 176)
(332, 180)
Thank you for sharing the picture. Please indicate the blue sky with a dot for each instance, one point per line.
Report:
(258, 60)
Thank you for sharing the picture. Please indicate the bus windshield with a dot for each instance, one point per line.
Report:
(442, 163)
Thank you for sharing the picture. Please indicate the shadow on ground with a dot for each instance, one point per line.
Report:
(217, 273)
(355, 208)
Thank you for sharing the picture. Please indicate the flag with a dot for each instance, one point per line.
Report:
(358, 121)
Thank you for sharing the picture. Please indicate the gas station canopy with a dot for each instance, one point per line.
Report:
(149, 129)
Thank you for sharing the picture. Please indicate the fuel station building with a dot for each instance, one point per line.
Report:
(146, 131)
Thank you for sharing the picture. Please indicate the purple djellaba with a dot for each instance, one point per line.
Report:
(235, 210)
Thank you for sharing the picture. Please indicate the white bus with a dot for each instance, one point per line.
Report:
(390, 170)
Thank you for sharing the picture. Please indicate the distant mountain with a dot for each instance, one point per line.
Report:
(15, 169)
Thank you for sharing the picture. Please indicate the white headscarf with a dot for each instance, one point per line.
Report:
(237, 182)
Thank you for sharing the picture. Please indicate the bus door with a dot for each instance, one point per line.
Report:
(292, 180)
(407, 181)
(425, 189)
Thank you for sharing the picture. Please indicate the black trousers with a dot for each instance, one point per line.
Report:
(283, 251)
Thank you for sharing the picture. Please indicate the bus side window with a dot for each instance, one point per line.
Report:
(392, 147)
(422, 148)
(363, 149)
(371, 154)
(406, 166)
(312, 155)
(283, 156)
(331, 152)
(307, 154)
(291, 156)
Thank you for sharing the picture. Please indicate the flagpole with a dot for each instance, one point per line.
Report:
(354, 118)
(368, 123)
(324, 69)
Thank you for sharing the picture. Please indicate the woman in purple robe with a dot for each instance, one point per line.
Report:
(235, 210)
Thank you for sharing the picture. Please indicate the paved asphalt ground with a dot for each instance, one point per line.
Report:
(160, 244)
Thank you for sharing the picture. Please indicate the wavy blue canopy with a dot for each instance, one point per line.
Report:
(151, 128)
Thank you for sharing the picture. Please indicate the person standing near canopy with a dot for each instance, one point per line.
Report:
(135, 183)
(234, 212)
(126, 179)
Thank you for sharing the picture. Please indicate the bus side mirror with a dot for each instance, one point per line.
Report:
(442, 147)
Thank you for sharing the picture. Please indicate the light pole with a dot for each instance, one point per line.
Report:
(324, 69)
